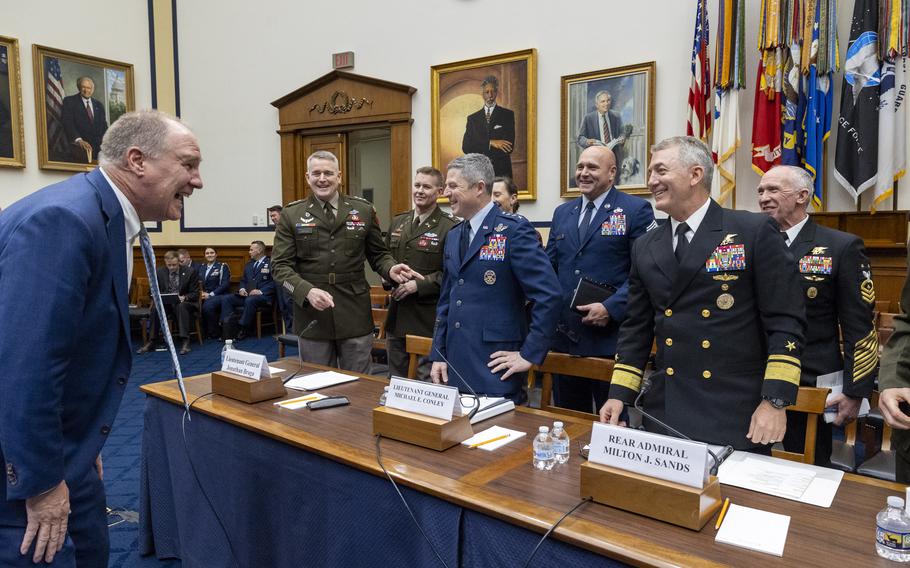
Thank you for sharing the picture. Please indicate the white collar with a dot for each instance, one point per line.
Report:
(131, 222)
(793, 231)
(489, 109)
(694, 219)
(598, 202)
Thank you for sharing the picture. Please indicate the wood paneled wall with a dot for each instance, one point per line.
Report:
(235, 256)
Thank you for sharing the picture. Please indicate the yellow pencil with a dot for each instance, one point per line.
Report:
(296, 400)
(490, 440)
(723, 512)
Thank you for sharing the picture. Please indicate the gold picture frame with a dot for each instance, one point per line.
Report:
(457, 114)
(627, 94)
(12, 136)
(69, 134)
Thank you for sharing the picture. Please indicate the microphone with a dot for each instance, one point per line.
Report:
(645, 387)
(457, 374)
(308, 327)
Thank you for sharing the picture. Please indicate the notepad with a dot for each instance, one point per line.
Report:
(491, 433)
(320, 380)
(489, 407)
(300, 401)
(754, 529)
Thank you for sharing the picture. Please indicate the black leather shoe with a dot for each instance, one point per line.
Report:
(185, 348)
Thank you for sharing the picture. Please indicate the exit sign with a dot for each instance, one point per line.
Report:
(343, 60)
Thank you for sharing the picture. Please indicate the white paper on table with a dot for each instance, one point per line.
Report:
(489, 434)
(821, 490)
(754, 529)
(275, 370)
(300, 401)
(319, 380)
(835, 382)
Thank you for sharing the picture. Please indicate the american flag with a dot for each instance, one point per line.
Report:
(698, 122)
(54, 93)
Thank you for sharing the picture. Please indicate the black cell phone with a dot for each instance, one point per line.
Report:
(328, 402)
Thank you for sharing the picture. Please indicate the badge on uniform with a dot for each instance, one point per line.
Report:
(489, 277)
(866, 287)
(500, 227)
(425, 241)
(305, 227)
(616, 225)
(495, 249)
(814, 264)
(726, 258)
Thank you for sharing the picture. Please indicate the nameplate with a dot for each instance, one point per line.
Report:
(249, 365)
(428, 399)
(663, 457)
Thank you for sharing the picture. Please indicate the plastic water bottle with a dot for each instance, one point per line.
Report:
(892, 531)
(228, 346)
(560, 443)
(543, 450)
(385, 394)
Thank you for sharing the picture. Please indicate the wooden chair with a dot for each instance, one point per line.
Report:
(843, 452)
(882, 465)
(563, 364)
(416, 346)
(810, 401)
(271, 308)
(379, 297)
(379, 337)
(140, 305)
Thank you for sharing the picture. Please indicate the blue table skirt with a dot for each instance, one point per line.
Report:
(282, 506)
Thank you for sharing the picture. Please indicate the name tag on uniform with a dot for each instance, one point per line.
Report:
(813, 264)
(615, 226)
(727, 258)
(495, 249)
(305, 228)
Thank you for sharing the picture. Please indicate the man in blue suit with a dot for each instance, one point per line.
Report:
(592, 237)
(60, 393)
(257, 288)
(493, 264)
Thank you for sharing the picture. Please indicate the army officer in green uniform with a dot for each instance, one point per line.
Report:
(416, 238)
(320, 245)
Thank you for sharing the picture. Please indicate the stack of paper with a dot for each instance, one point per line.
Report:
(756, 530)
(489, 407)
(493, 438)
(791, 480)
(319, 380)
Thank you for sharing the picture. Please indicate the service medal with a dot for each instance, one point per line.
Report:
(811, 292)
(725, 301)
(489, 277)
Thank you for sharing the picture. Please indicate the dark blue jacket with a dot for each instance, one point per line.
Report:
(218, 279)
(260, 279)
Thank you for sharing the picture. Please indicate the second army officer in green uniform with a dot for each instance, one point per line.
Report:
(320, 245)
(416, 238)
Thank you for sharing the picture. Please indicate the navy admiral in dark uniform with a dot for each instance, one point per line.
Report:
(257, 288)
(837, 288)
(215, 278)
(493, 264)
(592, 236)
(721, 295)
(491, 130)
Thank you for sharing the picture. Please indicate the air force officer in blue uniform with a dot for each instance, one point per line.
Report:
(60, 393)
(592, 236)
(493, 264)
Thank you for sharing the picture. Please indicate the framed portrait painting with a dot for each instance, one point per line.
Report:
(76, 98)
(612, 108)
(488, 106)
(12, 148)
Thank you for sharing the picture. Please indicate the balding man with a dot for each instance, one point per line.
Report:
(60, 391)
(84, 121)
(837, 288)
(591, 237)
(720, 294)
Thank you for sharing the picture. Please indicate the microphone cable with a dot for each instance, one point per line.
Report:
(553, 528)
(403, 500)
(457, 374)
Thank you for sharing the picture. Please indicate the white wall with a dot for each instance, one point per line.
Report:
(111, 29)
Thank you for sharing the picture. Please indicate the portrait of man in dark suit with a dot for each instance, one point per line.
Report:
(603, 127)
(491, 130)
(84, 122)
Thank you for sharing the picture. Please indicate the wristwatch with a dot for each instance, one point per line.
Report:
(777, 403)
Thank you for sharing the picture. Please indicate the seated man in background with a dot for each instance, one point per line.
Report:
(837, 284)
(256, 289)
(184, 282)
(216, 281)
(187, 261)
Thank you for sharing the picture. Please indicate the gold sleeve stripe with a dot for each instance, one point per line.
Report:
(781, 371)
(630, 369)
(867, 291)
(785, 359)
(865, 356)
(626, 379)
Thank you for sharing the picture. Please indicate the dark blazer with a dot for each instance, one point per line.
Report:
(478, 133)
(77, 124)
(590, 128)
(729, 323)
(188, 282)
(895, 368)
(482, 302)
(259, 279)
(422, 250)
(837, 287)
(60, 393)
(604, 256)
(218, 280)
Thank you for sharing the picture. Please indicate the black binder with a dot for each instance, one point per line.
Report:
(589, 291)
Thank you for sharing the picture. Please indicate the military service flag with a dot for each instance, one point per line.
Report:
(698, 122)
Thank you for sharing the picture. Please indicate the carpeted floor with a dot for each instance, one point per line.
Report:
(122, 451)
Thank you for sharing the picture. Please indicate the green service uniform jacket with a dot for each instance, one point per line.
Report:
(729, 323)
(895, 367)
(422, 250)
(308, 253)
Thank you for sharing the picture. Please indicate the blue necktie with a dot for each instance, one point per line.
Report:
(148, 255)
(585, 222)
(465, 240)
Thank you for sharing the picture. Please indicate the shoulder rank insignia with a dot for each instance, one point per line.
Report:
(818, 250)
(728, 240)
(867, 291)
(500, 227)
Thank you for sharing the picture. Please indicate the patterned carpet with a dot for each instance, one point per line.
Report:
(122, 452)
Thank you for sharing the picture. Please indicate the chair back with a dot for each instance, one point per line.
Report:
(596, 368)
(379, 297)
(415, 346)
(810, 401)
(142, 293)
